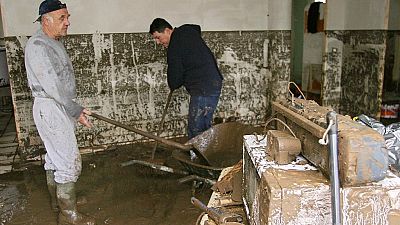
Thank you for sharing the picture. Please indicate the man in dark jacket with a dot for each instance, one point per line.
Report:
(190, 64)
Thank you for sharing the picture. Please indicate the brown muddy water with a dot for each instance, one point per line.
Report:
(116, 195)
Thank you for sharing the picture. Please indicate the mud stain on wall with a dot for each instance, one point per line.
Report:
(355, 66)
(278, 67)
(331, 86)
(391, 84)
(123, 76)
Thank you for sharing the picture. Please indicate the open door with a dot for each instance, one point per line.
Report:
(307, 41)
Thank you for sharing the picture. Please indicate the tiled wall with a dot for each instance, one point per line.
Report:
(354, 71)
(123, 76)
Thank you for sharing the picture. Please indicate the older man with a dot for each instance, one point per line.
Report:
(52, 81)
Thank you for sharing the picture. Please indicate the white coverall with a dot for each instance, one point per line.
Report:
(52, 81)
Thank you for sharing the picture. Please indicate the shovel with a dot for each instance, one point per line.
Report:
(177, 145)
(161, 128)
(219, 146)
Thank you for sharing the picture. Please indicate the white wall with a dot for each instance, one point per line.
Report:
(356, 14)
(312, 59)
(279, 14)
(313, 48)
(335, 14)
(128, 16)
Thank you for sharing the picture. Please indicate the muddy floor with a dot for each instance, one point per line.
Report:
(117, 195)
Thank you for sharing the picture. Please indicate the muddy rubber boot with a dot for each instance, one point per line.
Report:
(51, 186)
(69, 215)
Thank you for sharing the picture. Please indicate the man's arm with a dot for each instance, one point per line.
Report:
(39, 62)
(175, 67)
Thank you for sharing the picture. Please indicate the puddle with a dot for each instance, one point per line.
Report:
(115, 195)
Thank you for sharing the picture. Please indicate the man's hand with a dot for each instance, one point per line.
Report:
(83, 119)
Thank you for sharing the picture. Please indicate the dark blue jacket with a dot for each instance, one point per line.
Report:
(191, 63)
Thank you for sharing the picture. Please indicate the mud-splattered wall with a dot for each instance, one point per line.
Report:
(332, 73)
(392, 67)
(354, 56)
(123, 76)
(362, 74)
(4, 77)
(278, 64)
(355, 67)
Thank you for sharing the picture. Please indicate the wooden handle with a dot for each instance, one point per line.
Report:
(143, 133)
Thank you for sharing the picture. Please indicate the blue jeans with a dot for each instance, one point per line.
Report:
(201, 110)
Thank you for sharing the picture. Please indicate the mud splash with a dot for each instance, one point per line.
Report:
(115, 195)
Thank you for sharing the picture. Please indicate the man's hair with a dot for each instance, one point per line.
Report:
(47, 16)
(159, 25)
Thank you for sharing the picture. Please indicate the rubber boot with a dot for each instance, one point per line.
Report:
(51, 186)
(69, 215)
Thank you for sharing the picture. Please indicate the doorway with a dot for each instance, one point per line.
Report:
(307, 41)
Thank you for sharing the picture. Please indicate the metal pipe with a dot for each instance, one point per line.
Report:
(331, 118)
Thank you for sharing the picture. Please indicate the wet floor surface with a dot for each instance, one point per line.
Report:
(117, 195)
